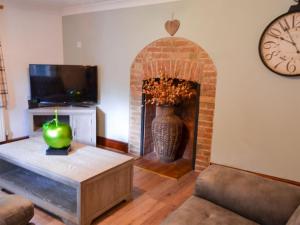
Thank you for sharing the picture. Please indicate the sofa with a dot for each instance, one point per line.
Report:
(225, 196)
(15, 210)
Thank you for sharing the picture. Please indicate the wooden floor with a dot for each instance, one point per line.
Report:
(154, 197)
(175, 169)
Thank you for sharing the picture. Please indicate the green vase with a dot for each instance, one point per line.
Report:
(57, 134)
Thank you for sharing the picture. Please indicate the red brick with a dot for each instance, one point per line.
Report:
(206, 153)
(206, 141)
(208, 124)
(163, 43)
(204, 146)
(180, 43)
(188, 49)
(170, 49)
(205, 117)
(154, 49)
(159, 55)
(207, 99)
(206, 111)
(207, 106)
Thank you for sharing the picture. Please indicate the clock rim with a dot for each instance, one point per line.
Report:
(260, 42)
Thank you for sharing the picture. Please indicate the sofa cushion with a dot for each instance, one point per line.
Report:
(295, 219)
(2, 222)
(198, 211)
(262, 200)
(15, 210)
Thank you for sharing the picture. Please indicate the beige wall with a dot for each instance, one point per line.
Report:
(112, 39)
(29, 35)
(257, 123)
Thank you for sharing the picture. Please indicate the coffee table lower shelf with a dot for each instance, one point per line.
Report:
(75, 205)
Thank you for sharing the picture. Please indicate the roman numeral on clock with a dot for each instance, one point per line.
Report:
(284, 24)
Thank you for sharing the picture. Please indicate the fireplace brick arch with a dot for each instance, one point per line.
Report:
(183, 59)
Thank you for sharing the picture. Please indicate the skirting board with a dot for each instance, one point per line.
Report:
(109, 143)
(13, 140)
(265, 176)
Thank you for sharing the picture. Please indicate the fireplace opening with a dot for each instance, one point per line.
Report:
(188, 112)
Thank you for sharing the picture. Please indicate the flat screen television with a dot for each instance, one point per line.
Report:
(67, 84)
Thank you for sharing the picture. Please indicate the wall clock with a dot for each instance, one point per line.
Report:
(279, 46)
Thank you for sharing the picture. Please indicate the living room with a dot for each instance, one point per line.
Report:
(244, 116)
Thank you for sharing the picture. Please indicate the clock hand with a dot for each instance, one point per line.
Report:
(283, 39)
(293, 42)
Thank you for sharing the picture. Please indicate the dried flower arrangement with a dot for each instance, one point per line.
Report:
(167, 91)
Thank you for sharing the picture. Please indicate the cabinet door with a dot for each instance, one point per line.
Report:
(82, 128)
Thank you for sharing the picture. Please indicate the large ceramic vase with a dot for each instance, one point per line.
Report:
(166, 133)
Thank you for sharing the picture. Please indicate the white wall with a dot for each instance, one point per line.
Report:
(29, 35)
(257, 123)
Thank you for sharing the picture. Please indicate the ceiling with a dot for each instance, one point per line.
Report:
(69, 7)
(63, 3)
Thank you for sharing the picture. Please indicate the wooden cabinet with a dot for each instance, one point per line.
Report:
(82, 126)
(82, 121)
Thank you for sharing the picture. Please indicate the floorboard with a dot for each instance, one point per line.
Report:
(154, 197)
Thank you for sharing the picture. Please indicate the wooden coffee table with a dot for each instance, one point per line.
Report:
(77, 188)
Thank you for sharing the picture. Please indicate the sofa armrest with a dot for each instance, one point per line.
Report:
(15, 210)
(262, 200)
(295, 218)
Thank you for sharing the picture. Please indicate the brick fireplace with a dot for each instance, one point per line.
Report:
(182, 59)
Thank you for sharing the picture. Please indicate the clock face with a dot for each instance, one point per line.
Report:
(279, 46)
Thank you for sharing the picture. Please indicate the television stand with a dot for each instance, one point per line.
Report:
(81, 119)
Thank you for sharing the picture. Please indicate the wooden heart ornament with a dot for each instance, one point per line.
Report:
(172, 26)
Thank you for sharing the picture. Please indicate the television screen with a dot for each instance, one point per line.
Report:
(63, 83)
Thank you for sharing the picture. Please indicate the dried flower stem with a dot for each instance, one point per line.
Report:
(167, 91)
